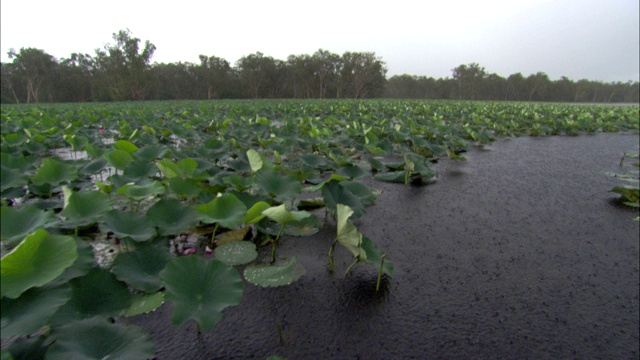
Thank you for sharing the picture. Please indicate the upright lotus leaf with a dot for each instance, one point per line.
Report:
(274, 275)
(375, 255)
(311, 203)
(126, 224)
(282, 216)
(254, 214)
(348, 234)
(281, 187)
(119, 159)
(240, 182)
(226, 210)
(398, 177)
(185, 187)
(93, 167)
(151, 152)
(334, 193)
(169, 169)
(304, 227)
(232, 235)
(255, 160)
(361, 191)
(139, 171)
(32, 310)
(236, 253)
(77, 142)
(144, 303)
(38, 259)
(125, 145)
(200, 289)
(54, 172)
(11, 178)
(141, 192)
(352, 171)
(187, 166)
(97, 338)
(171, 217)
(96, 293)
(85, 207)
(141, 268)
(20, 222)
(84, 262)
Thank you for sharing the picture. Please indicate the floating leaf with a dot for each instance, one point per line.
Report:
(171, 217)
(305, 227)
(18, 223)
(226, 210)
(274, 275)
(200, 289)
(141, 192)
(141, 268)
(97, 338)
(144, 303)
(54, 172)
(129, 224)
(236, 253)
(32, 310)
(281, 215)
(38, 259)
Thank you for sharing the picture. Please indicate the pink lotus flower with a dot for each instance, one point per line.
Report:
(101, 131)
(208, 250)
(189, 251)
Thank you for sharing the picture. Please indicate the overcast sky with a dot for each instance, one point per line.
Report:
(592, 39)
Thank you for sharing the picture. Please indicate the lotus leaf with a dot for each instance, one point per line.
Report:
(141, 268)
(171, 217)
(226, 210)
(274, 275)
(20, 222)
(126, 224)
(54, 172)
(236, 253)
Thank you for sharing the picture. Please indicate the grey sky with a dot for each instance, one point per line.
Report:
(592, 39)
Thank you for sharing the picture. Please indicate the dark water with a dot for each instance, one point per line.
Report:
(518, 253)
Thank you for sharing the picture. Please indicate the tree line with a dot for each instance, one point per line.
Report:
(122, 71)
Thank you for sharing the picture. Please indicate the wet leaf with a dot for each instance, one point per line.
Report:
(144, 303)
(236, 253)
(274, 275)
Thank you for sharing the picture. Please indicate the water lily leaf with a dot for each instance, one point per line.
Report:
(97, 338)
(32, 310)
(54, 172)
(281, 215)
(255, 160)
(171, 217)
(144, 303)
(96, 293)
(374, 256)
(85, 207)
(141, 268)
(281, 187)
(232, 236)
(348, 234)
(200, 289)
(226, 210)
(20, 222)
(129, 224)
(119, 159)
(185, 187)
(274, 275)
(38, 259)
(141, 192)
(254, 214)
(125, 145)
(236, 253)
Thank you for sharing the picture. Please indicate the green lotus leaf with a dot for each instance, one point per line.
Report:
(84, 262)
(126, 224)
(141, 268)
(93, 167)
(232, 236)
(255, 160)
(200, 289)
(236, 253)
(32, 310)
(139, 171)
(392, 177)
(144, 303)
(352, 171)
(374, 256)
(281, 215)
(54, 172)
(141, 192)
(254, 214)
(333, 193)
(281, 187)
(150, 152)
(274, 275)
(85, 207)
(169, 169)
(20, 222)
(38, 259)
(119, 159)
(241, 183)
(171, 217)
(187, 166)
(97, 338)
(313, 160)
(348, 235)
(96, 293)
(125, 145)
(311, 204)
(10, 178)
(361, 191)
(185, 187)
(304, 227)
(77, 142)
(226, 210)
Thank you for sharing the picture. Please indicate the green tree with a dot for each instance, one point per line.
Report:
(469, 79)
(34, 68)
(214, 74)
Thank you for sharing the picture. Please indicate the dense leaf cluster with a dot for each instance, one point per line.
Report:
(186, 193)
